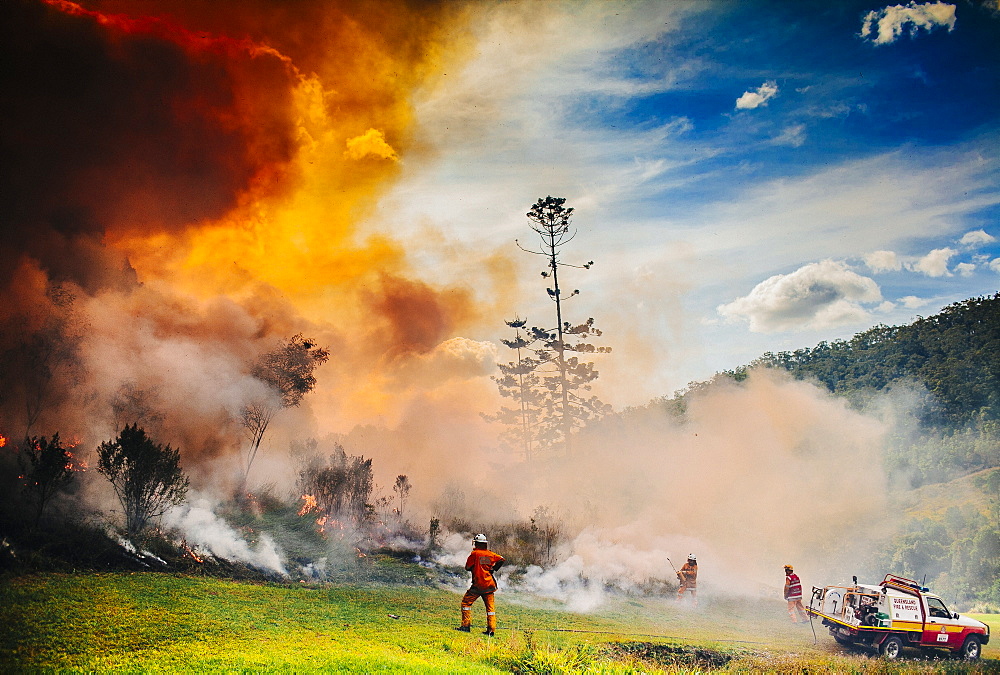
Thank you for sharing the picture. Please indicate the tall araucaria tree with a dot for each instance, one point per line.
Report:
(564, 378)
(519, 381)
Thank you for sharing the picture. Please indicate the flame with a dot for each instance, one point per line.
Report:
(74, 464)
(308, 504)
(3, 440)
(190, 552)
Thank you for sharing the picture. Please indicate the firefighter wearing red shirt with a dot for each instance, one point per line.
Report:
(482, 562)
(793, 594)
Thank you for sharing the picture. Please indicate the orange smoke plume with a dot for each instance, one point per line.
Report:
(199, 175)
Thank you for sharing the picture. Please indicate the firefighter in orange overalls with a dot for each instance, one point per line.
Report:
(687, 577)
(482, 562)
(793, 594)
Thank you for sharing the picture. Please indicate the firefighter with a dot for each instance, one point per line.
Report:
(687, 577)
(482, 562)
(793, 595)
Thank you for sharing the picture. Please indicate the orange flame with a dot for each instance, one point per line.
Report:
(74, 464)
(194, 556)
(308, 505)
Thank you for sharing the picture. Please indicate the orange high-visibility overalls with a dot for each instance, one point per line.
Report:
(482, 563)
(688, 578)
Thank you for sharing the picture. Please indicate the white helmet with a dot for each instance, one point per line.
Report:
(479, 539)
(692, 557)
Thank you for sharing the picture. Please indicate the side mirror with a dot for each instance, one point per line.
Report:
(954, 615)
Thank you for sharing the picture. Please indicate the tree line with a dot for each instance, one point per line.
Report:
(954, 354)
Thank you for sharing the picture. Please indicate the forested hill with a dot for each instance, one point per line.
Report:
(945, 475)
(955, 354)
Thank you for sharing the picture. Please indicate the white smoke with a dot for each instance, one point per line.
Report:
(755, 475)
(208, 534)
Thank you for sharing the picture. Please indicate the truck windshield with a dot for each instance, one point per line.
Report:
(937, 608)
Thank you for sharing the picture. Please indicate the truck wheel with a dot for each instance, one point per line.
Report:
(971, 649)
(891, 647)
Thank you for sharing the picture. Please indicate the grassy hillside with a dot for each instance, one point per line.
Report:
(156, 622)
(935, 500)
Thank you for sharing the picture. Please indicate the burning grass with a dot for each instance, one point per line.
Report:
(149, 621)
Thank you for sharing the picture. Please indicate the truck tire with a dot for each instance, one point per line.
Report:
(971, 649)
(891, 647)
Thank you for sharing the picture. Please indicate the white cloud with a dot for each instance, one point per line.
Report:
(833, 210)
(885, 25)
(793, 136)
(976, 238)
(819, 295)
(754, 99)
(913, 302)
(883, 261)
(935, 263)
(995, 265)
(965, 269)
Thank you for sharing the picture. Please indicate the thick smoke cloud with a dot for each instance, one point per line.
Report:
(189, 189)
(753, 476)
(113, 127)
(188, 178)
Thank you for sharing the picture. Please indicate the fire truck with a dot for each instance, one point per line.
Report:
(896, 613)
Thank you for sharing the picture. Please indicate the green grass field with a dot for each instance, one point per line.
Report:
(147, 622)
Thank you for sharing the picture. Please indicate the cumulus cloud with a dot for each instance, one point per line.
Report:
(965, 269)
(995, 265)
(913, 302)
(754, 99)
(883, 261)
(818, 295)
(976, 238)
(935, 263)
(885, 25)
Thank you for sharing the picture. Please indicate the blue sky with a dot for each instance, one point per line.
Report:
(748, 177)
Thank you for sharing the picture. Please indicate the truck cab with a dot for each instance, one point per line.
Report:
(896, 613)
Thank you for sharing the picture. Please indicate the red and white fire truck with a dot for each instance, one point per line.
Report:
(897, 613)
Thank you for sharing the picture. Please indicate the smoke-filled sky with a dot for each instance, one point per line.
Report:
(187, 183)
(746, 176)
